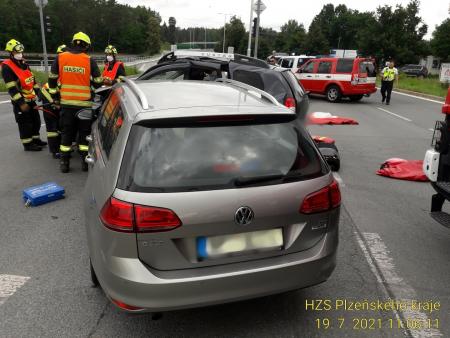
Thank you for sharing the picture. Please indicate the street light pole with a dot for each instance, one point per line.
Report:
(224, 28)
(249, 47)
(40, 4)
(258, 13)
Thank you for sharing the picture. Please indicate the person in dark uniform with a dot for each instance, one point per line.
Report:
(22, 89)
(389, 74)
(114, 70)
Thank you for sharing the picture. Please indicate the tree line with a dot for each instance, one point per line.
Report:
(387, 32)
(132, 30)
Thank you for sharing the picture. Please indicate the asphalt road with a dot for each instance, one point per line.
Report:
(389, 246)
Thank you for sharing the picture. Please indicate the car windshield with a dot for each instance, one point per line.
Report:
(217, 157)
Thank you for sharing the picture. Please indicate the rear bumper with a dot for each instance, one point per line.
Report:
(360, 90)
(131, 282)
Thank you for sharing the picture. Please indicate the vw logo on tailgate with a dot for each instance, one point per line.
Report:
(244, 216)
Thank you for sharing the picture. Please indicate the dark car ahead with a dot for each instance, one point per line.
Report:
(415, 70)
(208, 66)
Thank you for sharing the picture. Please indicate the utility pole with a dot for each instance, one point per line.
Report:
(41, 4)
(224, 28)
(249, 47)
(258, 14)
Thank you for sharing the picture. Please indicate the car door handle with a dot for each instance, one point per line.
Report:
(328, 76)
(308, 75)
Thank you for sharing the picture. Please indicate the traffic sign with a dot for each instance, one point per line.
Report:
(262, 7)
(41, 2)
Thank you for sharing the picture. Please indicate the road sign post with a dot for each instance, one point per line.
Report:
(260, 7)
(41, 4)
(249, 47)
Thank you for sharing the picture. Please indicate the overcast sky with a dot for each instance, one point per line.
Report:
(201, 13)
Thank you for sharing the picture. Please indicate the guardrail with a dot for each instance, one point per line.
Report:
(38, 64)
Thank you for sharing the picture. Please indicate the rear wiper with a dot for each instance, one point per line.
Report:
(243, 180)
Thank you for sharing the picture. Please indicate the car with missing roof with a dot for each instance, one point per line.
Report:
(209, 66)
(212, 194)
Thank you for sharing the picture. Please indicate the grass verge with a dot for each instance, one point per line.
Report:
(429, 85)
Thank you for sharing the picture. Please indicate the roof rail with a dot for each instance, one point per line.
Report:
(199, 53)
(138, 92)
(249, 88)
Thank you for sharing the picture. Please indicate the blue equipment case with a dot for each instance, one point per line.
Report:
(44, 193)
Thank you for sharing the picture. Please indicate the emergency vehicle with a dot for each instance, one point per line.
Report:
(339, 77)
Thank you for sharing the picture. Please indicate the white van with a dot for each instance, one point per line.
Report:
(294, 62)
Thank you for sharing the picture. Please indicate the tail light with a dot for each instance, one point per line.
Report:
(127, 217)
(155, 219)
(117, 215)
(322, 200)
(290, 103)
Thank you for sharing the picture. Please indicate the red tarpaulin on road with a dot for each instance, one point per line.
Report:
(327, 118)
(323, 139)
(403, 170)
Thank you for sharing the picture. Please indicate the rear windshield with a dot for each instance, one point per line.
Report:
(217, 157)
(271, 82)
(367, 67)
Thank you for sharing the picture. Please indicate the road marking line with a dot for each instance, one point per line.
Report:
(396, 115)
(1, 102)
(9, 284)
(339, 179)
(418, 97)
(392, 285)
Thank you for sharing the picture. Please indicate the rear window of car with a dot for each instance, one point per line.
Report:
(344, 66)
(294, 82)
(270, 81)
(367, 67)
(214, 157)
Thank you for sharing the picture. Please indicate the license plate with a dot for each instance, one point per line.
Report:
(230, 245)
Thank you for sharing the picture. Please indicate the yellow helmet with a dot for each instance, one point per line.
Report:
(110, 49)
(80, 36)
(61, 49)
(14, 46)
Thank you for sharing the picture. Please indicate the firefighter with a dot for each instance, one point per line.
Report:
(389, 75)
(22, 88)
(51, 115)
(75, 72)
(114, 70)
(61, 49)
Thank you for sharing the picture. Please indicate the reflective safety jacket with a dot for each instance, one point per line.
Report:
(75, 79)
(113, 71)
(45, 95)
(71, 77)
(389, 74)
(21, 84)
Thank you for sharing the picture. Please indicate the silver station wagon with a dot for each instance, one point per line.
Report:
(203, 193)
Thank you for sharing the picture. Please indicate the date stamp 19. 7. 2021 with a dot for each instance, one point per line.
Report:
(375, 314)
